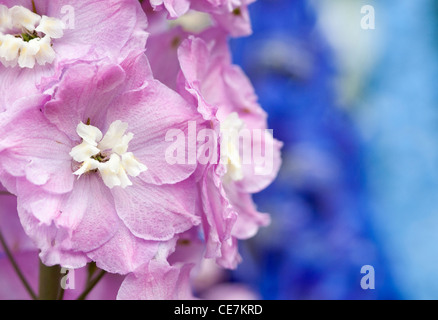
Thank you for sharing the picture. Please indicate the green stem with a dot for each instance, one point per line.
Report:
(91, 285)
(5, 193)
(49, 282)
(17, 268)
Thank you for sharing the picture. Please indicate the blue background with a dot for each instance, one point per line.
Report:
(359, 182)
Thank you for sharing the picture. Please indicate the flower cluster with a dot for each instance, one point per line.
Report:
(92, 110)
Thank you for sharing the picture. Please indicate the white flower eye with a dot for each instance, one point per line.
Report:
(26, 37)
(109, 155)
(114, 135)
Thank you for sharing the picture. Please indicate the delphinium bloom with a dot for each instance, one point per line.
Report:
(163, 279)
(199, 67)
(227, 187)
(176, 277)
(36, 37)
(83, 143)
(230, 15)
(87, 164)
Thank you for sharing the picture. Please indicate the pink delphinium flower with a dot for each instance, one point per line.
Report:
(34, 44)
(83, 143)
(230, 15)
(199, 66)
(168, 276)
(89, 168)
(184, 275)
(224, 94)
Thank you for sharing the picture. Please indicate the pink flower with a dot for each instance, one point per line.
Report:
(84, 140)
(224, 95)
(33, 45)
(201, 70)
(184, 275)
(88, 166)
(166, 278)
(230, 15)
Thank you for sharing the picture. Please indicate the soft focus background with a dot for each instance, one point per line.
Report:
(357, 110)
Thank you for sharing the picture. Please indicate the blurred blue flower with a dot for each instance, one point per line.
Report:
(398, 116)
(320, 236)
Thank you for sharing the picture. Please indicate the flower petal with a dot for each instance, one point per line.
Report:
(156, 212)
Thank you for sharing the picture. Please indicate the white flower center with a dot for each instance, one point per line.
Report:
(230, 152)
(26, 37)
(108, 155)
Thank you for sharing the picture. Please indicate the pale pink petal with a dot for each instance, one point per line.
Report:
(162, 50)
(99, 222)
(156, 212)
(157, 280)
(86, 97)
(175, 8)
(99, 28)
(230, 257)
(124, 253)
(30, 146)
(264, 167)
(27, 78)
(249, 219)
(151, 113)
(237, 22)
(54, 242)
(194, 58)
(218, 218)
(87, 214)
